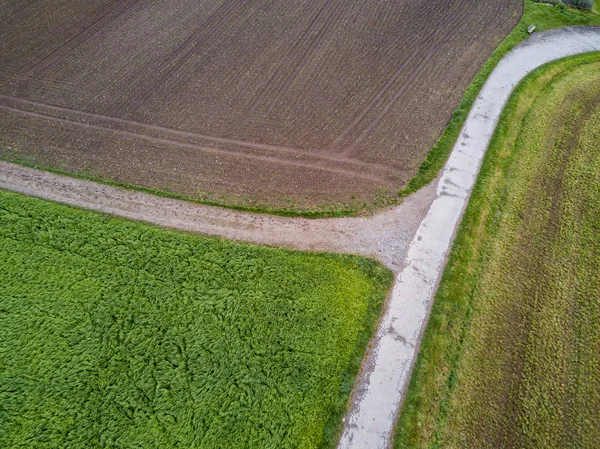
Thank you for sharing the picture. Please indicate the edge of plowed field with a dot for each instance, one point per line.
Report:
(545, 17)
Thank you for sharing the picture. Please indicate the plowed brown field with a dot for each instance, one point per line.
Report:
(310, 101)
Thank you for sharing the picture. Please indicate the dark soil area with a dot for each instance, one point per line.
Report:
(311, 103)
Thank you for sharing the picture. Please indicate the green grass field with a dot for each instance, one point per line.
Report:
(511, 353)
(117, 334)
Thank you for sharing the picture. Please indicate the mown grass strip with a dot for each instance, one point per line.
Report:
(119, 334)
(510, 356)
(544, 17)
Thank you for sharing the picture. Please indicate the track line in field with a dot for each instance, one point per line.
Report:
(290, 56)
(206, 149)
(412, 77)
(181, 55)
(431, 41)
(332, 167)
(301, 62)
(144, 130)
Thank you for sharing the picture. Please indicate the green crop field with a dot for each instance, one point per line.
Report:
(511, 354)
(117, 334)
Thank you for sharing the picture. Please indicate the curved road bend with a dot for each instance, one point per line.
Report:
(412, 239)
(378, 397)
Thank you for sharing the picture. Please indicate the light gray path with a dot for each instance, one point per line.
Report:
(384, 236)
(371, 419)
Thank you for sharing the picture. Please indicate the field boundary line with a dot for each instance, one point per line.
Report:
(384, 236)
(388, 366)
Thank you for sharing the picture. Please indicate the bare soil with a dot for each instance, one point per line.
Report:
(309, 103)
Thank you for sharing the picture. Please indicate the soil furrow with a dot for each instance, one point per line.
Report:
(408, 82)
(431, 42)
(185, 51)
(61, 53)
(303, 58)
(213, 150)
(8, 14)
(291, 55)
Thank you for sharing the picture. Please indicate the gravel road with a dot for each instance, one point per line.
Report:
(384, 236)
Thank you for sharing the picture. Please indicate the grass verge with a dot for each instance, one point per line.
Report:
(119, 334)
(544, 17)
(511, 354)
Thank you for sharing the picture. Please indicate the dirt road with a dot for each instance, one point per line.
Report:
(384, 236)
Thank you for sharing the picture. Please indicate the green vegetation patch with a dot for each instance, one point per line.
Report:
(117, 334)
(511, 353)
(544, 17)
